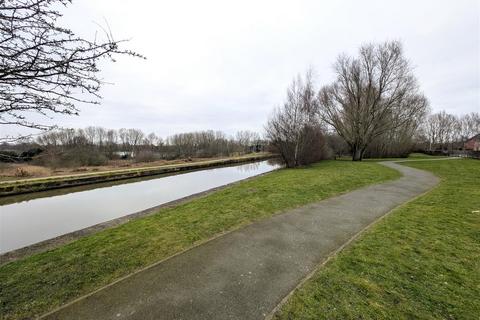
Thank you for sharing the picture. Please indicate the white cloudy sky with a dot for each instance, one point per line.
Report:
(225, 64)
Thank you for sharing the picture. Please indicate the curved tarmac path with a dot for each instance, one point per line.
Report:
(246, 273)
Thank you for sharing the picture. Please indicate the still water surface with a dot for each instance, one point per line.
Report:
(31, 218)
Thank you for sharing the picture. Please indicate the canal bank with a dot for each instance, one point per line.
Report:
(9, 188)
(39, 221)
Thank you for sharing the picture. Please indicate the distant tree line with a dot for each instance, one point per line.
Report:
(443, 132)
(97, 145)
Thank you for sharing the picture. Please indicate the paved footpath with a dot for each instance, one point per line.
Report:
(246, 273)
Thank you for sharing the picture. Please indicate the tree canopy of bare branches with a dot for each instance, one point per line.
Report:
(44, 67)
(444, 131)
(373, 93)
(97, 145)
(294, 129)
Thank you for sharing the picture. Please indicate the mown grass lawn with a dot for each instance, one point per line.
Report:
(420, 262)
(37, 284)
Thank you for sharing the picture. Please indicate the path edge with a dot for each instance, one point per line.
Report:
(333, 254)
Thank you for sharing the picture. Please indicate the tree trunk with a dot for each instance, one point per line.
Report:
(362, 152)
(357, 153)
(295, 156)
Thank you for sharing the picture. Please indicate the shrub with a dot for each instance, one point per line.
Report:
(22, 173)
(73, 158)
(145, 156)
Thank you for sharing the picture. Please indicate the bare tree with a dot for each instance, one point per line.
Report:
(294, 129)
(439, 128)
(44, 67)
(111, 141)
(151, 141)
(101, 136)
(134, 139)
(123, 137)
(374, 93)
(469, 125)
(448, 130)
(91, 135)
(247, 139)
(431, 128)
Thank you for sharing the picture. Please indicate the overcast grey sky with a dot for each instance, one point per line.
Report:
(224, 65)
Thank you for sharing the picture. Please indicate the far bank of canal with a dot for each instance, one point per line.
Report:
(21, 186)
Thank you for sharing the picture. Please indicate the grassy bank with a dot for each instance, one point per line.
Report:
(41, 282)
(420, 262)
(411, 156)
(64, 181)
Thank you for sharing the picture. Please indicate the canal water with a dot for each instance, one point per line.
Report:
(32, 218)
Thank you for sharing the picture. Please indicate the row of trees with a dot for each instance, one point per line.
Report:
(212, 143)
(374, 105)
(96, 145)
(446, 132)
(104, 140)
(131, 140)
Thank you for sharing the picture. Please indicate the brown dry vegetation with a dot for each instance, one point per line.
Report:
(13, 171)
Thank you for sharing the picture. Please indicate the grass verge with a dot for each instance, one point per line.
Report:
(420, 262)
(39, 283)
(411, 156)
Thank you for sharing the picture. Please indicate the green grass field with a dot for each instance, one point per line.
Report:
(421, 262)
(37, 284)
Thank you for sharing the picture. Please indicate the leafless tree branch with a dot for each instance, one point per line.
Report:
(46, 68)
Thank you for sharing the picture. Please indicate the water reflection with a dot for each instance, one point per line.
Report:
(249, 167)
(63, 191)
(31, 218)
